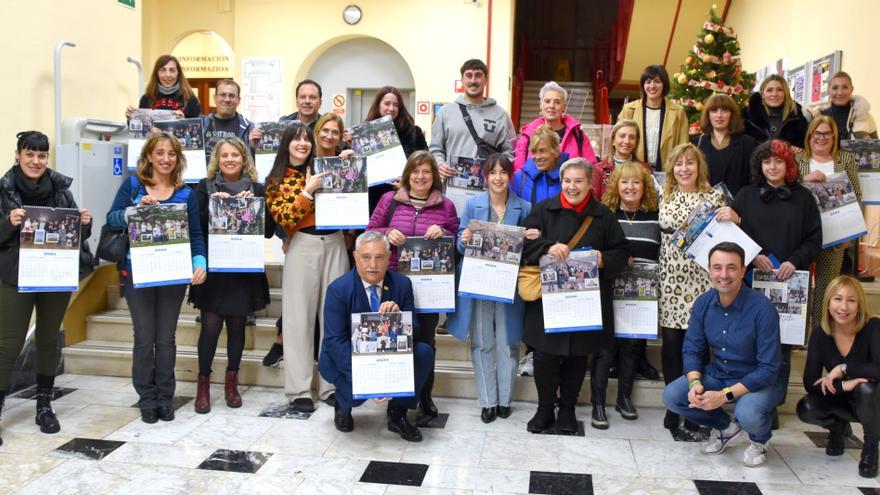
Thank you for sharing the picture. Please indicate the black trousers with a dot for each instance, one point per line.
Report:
(427, 334)
(834, 411)
(559, 378)
(629, 353)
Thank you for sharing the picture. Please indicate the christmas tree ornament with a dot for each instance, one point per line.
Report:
(707, 58)
(709, 39)
(699, 106)
(689, 61)
(682, 79)
(711, 74)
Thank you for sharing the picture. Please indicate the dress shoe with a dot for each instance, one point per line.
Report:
(647, 370)
(503, 412)
(566, 421)
(398, 423)
(165, 413)
(230, 389)
(488, 414)
(203, 395)
(331, 400)
(599, 419)
(427, 407)
(836, 442)
(343, 420)
(868, 462)
(543, 420)
(671, 420)
(303, 405)
(148, 415)
(626, 408)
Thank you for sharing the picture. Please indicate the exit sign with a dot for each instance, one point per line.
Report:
(127, 3)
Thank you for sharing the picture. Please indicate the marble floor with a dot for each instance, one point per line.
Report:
(103, 447)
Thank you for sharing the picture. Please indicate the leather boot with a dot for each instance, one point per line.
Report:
(233, 399)
(203, 394)
(45, 417)
(868, 462)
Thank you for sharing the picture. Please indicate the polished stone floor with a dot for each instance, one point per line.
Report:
(103, 447)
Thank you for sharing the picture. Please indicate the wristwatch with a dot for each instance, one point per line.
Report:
(729, 394)
(843, 369)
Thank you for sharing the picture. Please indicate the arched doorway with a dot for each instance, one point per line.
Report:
(356, 68)
(206, 58)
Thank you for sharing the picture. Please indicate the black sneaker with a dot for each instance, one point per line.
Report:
(274, 356)
(303, 405)
(599, 419)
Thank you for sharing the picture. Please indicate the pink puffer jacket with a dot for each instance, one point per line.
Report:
(569, 143)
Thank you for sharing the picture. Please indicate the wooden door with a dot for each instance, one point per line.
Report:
(204, 89)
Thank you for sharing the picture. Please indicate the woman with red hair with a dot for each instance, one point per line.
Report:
(780, 214)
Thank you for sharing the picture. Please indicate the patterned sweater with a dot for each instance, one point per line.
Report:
(287, 204)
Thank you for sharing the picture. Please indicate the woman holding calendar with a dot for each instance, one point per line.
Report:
(227, 297)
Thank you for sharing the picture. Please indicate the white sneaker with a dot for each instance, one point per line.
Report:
(722, 438)
(755, 455)
(527, 365)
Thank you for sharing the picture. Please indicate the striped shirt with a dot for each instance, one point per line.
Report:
(643, 233)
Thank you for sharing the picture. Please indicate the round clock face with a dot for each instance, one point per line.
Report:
(352, 14)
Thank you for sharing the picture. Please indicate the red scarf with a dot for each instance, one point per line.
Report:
(579, 208)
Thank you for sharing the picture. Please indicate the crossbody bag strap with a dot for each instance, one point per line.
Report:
(470, 125)
(576, 238)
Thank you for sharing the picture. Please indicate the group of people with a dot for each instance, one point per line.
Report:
(549, 181)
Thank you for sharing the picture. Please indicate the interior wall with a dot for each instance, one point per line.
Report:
(434, 37)
(804, 30)
(96, 80)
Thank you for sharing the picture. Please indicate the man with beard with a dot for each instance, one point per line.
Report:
(472, 126)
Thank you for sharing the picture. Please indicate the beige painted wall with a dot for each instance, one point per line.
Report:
(96, 79)
(803, 30)
(433, 36)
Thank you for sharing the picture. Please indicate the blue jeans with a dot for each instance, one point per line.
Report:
(423, 364)
(494, 361)
(751, 412)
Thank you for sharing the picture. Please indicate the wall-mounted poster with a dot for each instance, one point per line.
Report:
(820, 75)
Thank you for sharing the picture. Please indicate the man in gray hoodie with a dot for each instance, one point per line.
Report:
(450, 136)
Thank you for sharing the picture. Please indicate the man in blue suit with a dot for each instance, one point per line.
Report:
(369, 287)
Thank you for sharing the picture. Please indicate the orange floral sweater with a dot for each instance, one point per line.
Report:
(287, 204)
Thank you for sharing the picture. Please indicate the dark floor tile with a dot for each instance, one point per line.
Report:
(31, 393)
(429, 422)
(685, 435)
(177, 401)
(236, 461)
(553, 431)
(820, 439)
(706, 487)
(88, 447)
(560, 483)
(870, 491)
(394, 473)
(283, 410)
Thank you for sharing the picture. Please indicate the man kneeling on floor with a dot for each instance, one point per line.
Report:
(741, 327)
(369, 287)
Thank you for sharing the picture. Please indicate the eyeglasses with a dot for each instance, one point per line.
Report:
(227, 96)
(823, 135)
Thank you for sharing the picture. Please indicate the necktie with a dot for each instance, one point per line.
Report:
(374, 299)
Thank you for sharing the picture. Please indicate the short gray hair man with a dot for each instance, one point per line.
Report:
(371, 236)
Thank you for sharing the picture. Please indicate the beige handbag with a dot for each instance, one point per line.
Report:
(529, 278)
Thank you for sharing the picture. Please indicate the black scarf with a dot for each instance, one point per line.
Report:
(767, 192)
(40, 193)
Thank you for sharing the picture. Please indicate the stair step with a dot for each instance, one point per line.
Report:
(454, 378)
(115, 301)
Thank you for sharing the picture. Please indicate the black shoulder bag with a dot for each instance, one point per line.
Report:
(113, 245)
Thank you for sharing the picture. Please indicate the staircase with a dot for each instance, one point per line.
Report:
(580, 102)
(107, 352)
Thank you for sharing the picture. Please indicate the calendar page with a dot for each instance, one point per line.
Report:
(491, 261)
(467, 182)
(191, 136)
(159, 240)
(48, 260)
(381, 355)
(378, 141)
(839, 210)
(636, 291)
(430, 266)
(267, 147)
(140, 126)
(790, 300)
(570, 293)
(343, 201)
(236, 228)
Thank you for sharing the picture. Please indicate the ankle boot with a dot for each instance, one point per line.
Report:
(203, 394)
(45, 417)
(233, 399)
(868, 462)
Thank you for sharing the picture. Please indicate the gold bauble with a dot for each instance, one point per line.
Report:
(689, 61)
(707, 58)
(699, 106)
(682, 79)
(709, 39)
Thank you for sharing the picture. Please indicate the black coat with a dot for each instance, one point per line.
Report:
(732, 165)
(794, 128)
(558, 224)
(789, 228)
(10, 199)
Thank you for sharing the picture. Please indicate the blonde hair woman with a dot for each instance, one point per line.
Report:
(846, 344)
(228, 297)
(686, 187)
(539, 177)
(772, 114)
(625, 137)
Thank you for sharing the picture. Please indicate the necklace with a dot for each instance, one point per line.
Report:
(500, 214)
(629, 219)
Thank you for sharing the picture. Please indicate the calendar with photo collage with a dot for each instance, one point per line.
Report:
(381, 355)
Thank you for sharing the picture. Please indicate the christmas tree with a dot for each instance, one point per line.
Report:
(713, 65)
